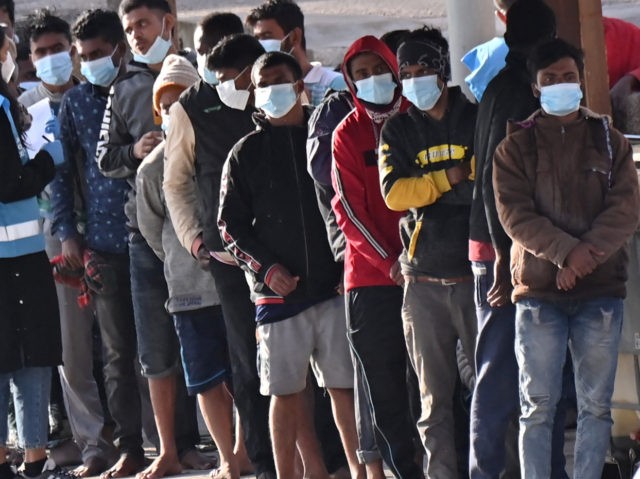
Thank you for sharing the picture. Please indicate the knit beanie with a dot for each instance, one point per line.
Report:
(177, 72)
(528, 23)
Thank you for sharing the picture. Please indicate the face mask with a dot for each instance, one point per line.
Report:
(423, 92)
(28, 85)
(377, 89)
(201, 61)
(560, 99)
(156, 52)
(276, 100)
(54, 69)
(210, 77)
(165, 122)
(100, 72)
(271, 44)
(231, 96)
(8, 67)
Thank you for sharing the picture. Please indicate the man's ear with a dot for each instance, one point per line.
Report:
(73, 51)
(169, 23)
(295, 37)
(535, 90)
(298, 86)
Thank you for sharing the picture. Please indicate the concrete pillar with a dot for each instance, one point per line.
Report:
(470, 23)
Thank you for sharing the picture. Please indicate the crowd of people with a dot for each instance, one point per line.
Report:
(370, 268)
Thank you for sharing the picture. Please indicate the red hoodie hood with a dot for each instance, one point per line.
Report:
(371, 44)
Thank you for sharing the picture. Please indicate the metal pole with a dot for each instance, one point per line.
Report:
(470, 23)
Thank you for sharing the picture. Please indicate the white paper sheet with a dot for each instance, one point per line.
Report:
(40, 113)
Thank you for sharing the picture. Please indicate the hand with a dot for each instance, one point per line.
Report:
(583, 259)
(280, 281)
(458, 173)
(72, 253)
(500, 292)
(565, 279)
(52, 126)
(396, 274)
(146, 143)
(54, 148)
(203, 257)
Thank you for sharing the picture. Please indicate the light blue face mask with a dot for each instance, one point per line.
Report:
(377, 89)
(156, 52)
(54, 69)
(276, 100)
(423, 92)
(210, 77)
(560, 99)
(100, 72)
(271, 44)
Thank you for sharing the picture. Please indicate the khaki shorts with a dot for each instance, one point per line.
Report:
(316, 336)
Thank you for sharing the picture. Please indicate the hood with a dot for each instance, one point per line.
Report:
(371, 44)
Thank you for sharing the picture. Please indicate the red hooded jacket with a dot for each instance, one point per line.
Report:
(371, 229)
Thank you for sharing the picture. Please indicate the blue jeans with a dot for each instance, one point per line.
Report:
(495, 404)
(30, 387)
(543, 329)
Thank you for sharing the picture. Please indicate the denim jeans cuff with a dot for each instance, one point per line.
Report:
(367, 457)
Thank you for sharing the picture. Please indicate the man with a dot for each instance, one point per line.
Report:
(209, 31)
(493, 429)
(128, 134)
(100, 43)
(193, 300)
(567, 194)
(8, 18)
(372, 248)
(207, 122)
(425, 161)
(279, 25)
(269, 221)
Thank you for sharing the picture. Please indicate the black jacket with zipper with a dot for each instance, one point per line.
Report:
(269, 214)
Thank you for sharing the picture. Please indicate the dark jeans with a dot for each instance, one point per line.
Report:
(157, 339)
(118, 331)
(239, 317)
(377, 341)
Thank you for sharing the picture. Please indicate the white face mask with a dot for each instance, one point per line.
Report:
(157, 51)
(8, 67)
(231, 96)
(201, 61)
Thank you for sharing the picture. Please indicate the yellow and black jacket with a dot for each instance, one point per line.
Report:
(415, 152)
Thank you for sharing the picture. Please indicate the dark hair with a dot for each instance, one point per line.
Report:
(394, 38)
(127, 6)
(273, 59)
(428, 34)
(216, 26)
(529, 22)
(235, 51)
(286, 13)
(43, 21)
(98, 23)
(548, 53)
(10, 7)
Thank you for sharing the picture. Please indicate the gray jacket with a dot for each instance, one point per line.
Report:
(190, 287)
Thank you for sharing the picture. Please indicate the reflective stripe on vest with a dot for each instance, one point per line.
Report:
(20, 231)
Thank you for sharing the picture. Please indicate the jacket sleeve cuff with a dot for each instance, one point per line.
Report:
(441, 181)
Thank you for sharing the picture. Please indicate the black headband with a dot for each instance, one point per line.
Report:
(429, 55)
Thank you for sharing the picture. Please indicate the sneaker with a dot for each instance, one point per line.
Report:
(51, 471)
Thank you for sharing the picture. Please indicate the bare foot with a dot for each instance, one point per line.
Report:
(194, 459)
(163, 465)
(244, 464)
(92, 467)
(224, 472)
(127, 465)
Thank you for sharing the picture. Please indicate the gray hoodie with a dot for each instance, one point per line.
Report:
(190, 287)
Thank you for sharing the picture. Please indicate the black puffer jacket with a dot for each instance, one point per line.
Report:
(269, 214)
(507, 97)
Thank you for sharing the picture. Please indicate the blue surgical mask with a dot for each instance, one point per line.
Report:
(54, 69)
(560, 99)
(276, 100)
(270, 44)
(210, 77)
(423, 92)
(156, 52)
(377, 89)
(100, 72)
